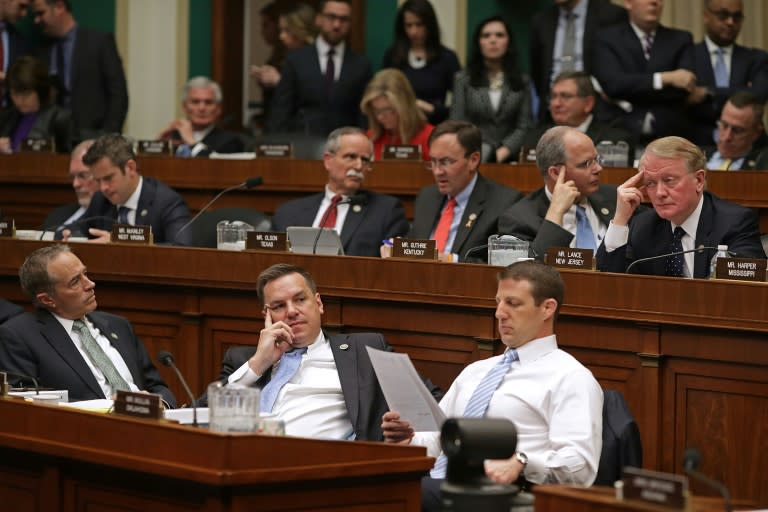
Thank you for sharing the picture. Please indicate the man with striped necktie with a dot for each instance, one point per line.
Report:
(554, 401)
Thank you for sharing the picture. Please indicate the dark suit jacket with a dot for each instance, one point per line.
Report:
(300, 103)
(622, 445)
(624, 74)
(749, 72)
(380, 217)
(8, 310)
(600, 13)
(159, 207)
(217, 140)
(36, 344)
(525, 219)
(59, 215)
(52, 121)
(486, 203)
(597, 131)
(362, 393)
(99, 94)
(17, 46)
(720, 222)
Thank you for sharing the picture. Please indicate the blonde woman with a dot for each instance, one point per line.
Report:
(393, 114)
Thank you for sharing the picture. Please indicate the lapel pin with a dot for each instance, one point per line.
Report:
(471, 220)
(357, 208)
(344, 346)
(604, 211)
(114, 336)
(144, 213)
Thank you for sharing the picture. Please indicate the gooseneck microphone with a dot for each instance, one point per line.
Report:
(356, 199)
(691, 461)
(4, 381)
(166, 359)
(253, 181)
(677, 253)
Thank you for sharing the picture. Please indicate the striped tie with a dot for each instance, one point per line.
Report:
(99, 358)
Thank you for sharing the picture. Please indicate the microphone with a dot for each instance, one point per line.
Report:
(166, 359)
(669, 255)
(691, 460)
(4, 383)
(358, 199)
(253, 181)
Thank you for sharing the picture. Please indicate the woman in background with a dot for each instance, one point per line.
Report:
(492, 93)
(32, 113)
(417, 52)
(394, 117)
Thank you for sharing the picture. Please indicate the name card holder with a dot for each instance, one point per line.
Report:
(659, 489)
(127, 234)
(275, 150)
(741, 269)
(32, 145)
(267, 241)
(141, 405)
(7, 228)
(414, 249)
(154, 148)
(401, 152)
(571, 258)
(527, 155)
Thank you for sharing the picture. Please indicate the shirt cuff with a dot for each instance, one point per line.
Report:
(243, 375)
(657, 83)
(615, 237)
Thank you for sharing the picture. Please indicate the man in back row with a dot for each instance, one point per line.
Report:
(83, 183)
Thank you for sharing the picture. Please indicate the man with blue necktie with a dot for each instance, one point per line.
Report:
(554, 401)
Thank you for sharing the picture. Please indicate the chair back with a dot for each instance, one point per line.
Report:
(621, 439)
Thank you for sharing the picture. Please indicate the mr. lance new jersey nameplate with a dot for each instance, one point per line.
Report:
(566, 257)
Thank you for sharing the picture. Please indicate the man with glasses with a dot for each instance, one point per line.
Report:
(741, 134)
(83, 183)
(461, 210)
(572, 209)
(321, 84)
(361, 217)
(723, 67)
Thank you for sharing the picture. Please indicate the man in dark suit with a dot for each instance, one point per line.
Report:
(741, 137)
(65, 343)
(88, 69)
(8, 310)
(645, 68)
(321, 84)
(462, 209)
(197, 135)
(363, 222)
(684, 217)
(332, 390)
(83, 183)
(128, 197)
(572, 209)
(738, 68)
(12, 44)
(549, 58)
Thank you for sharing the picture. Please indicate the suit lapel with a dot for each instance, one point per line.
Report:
(664, 236)
(144, 208)
(355, 215)
(346, 366)
(703, 234)
(738, 66)
(307, 212)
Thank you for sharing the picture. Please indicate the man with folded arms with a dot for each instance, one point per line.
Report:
(684, 217)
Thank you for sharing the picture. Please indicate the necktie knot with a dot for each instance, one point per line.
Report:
(122, 214)
(679, 233)
(286, 369)
(510, 356)
(335, 199)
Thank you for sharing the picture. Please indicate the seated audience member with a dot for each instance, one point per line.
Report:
(83, 183)
(571, 103)
(66, 343)
(361, 223)
(418, 53)
(572, 209)
(8, 310)
(125, 196)
(723, 67)
(684, 217)
(320, 385)
(554, 401)
(461, 210)
(393, 116)
(197, 134)
(741, 134)
(492, 93)
(32, 113)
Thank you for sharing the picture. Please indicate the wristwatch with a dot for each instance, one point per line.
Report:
(523, 458)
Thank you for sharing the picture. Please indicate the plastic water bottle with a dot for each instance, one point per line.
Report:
(605, 149)
(722, 252)
(621, 154)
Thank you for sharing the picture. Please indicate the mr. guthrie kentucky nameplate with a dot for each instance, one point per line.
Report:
(414, 249)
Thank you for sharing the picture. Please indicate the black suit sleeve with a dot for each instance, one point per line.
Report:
(115, 86)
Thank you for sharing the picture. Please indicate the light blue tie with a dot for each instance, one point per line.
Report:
(478, 402)
(721, 72)
(585, 237)
(289, 365)
(184, 151)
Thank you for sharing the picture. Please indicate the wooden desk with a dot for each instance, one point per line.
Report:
(556, 498)
(689, 355)
(56, 459)
(31, 185)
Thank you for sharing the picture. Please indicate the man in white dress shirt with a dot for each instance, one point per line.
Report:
(554, 401)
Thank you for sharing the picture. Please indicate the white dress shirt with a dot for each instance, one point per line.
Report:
(341, 210)
(133, 203)
(338, 56)
(555, 403)
(570, 223)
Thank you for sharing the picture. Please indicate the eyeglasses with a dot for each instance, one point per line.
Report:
(334, 18)
(723, 15)
(82, 176)
(736, 131)
(352, 158)
(587, 164)
(442, 163)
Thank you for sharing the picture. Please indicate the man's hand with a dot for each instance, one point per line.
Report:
(266, 75)
(102, 236)
(385, 249)
(503, 471)
(629, 195)
(698, 95)
(564, 194)
(5, 145)
(275, 339)
(680, 78)
(502, 154)
(395, 429)
(183, 126)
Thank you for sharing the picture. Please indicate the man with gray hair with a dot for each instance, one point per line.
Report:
(362, 217)
(572, 209)
(197, 134)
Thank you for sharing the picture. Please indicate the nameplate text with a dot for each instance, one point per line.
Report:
(266, 241)
(741, 269)
(277, 150)
(414, 249)
(566, 257)
(125, 233)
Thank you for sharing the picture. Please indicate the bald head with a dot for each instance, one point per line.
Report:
(82, 179)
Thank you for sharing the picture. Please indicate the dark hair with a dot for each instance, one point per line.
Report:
(113, 146)
(67, 4)
(423, 10)
(279, 270)
(469, 135)
(30, 74)
(583, 80)
(545, 281)
(321, 7)
(476, 63)
(33, 273)
(744, 99)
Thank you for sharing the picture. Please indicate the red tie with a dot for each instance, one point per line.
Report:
(330, 213)
(444, 225)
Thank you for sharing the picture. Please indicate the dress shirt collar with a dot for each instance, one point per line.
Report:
(583, 127)
(330, 194)
(462, 198)
(641, 34)
(536, 349)
(318, 344)
(712, 47)
(580, 10)
(199, 135)
(691, 224)
(323, 47)
(133, 201)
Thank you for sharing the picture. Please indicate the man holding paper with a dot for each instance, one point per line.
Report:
(554, 401)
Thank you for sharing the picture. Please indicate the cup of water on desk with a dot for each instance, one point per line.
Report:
(233, 408)
(504, 250)
(231, 236)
